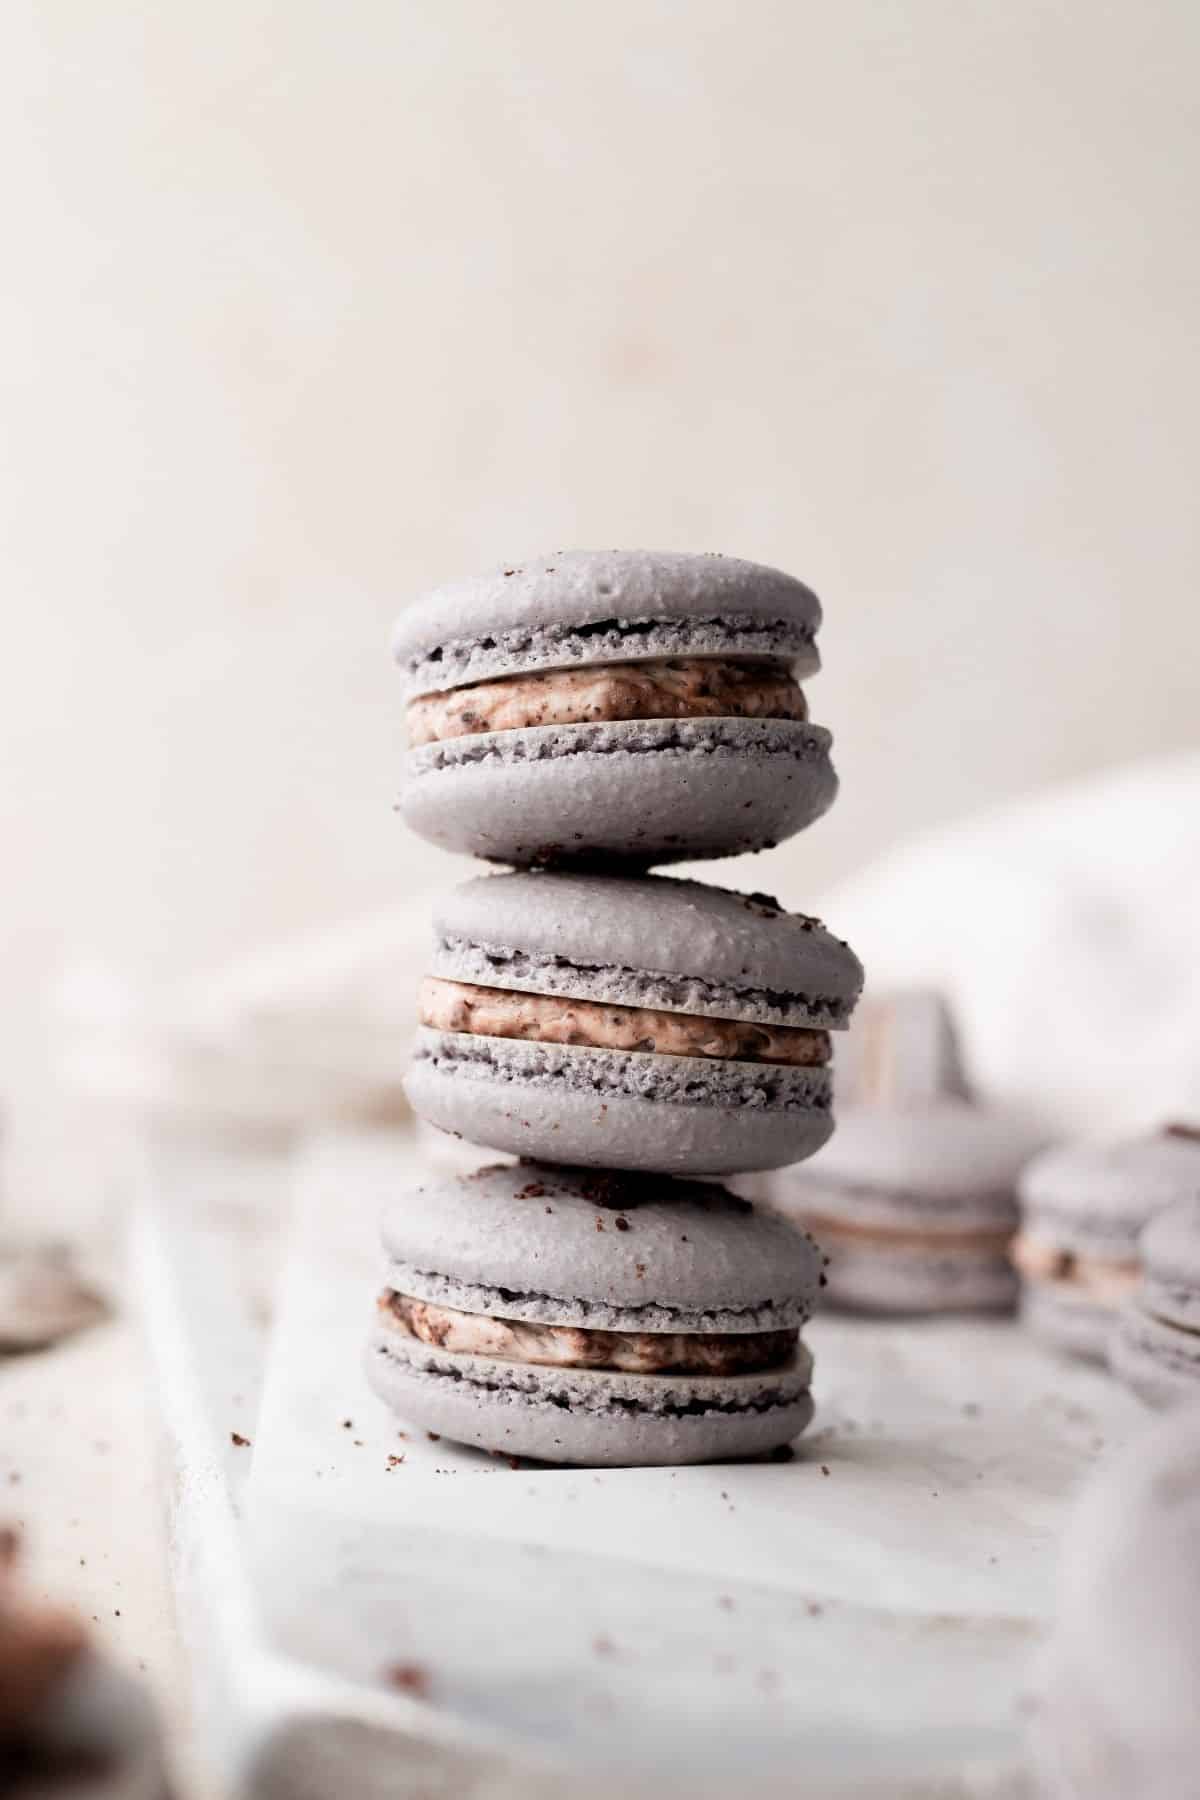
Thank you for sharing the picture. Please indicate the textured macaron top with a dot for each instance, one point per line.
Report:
(1170, 1246)
(1094, 1196)
(610, 1249)
(948, 1149)
(646, 941)
(593, 606)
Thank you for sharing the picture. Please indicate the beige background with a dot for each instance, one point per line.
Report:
(307, 305)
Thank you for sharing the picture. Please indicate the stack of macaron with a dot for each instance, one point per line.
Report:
(581, 719)
(1084, 1208)
(915, 1198)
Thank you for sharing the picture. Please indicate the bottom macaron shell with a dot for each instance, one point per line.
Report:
(1067, 1321)
(594, 1417)
(1158, 1362)
(897, 1280)
(619, 1109)
(653, 791)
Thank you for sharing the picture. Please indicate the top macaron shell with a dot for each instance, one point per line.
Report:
(614, 1252)
(579, 607)
(639, 791)
(947, 1165)
(651, 941)
(1094, 1199)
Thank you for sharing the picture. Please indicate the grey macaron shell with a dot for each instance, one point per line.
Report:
(682, 1115)
(1096, 1198)
(899, 1280)
(610, 1252)
(1067, 1318)
(596, 1417)
(586, 607)
(947, 1166)
(653, 941)
(1158, 1361)
(1170, 1252)
(643, 791)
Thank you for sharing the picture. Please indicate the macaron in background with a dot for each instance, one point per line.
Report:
(623, 705)
(620, 1022)
(1155, 1348)
(1113, 1713)
(913, 1199)
(1083, 1207)
(597, 1318)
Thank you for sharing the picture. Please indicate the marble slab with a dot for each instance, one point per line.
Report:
(423, 1617)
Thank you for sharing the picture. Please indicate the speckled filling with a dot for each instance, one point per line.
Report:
(592, 1390)
(678, 1080)
(495, 965)
(546, 1309)
(460, 661)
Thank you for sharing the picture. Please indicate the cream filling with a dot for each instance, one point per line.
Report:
(574, 1347)
(682, 688)
(460, 1006)
(1106, 1279)
(984, 1237)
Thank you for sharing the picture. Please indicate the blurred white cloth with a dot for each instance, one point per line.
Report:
(1065, 932)
(298, 1034)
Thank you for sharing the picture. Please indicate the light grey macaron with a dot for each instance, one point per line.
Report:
(915, 1206)
(619, 1022)
(597, 1318)
(1155, 1349)
(1083, 1207)
(616, 704)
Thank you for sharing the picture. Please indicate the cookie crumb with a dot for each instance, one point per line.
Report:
(242, 1443)
(409, 1677)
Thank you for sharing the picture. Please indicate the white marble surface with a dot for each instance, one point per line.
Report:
(865, 1612)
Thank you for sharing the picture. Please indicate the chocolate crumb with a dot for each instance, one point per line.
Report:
(824, 1468)
(347, 1424)
(622, 1224)
(393, 1462)
(409, 1677)
(243, 1443)
(435, 1437)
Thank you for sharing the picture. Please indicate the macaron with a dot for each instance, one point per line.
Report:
(618, 704)
(915, 1206)
(621, 1022)
(1155, 1349)
(585, 1317)
(1113, 1713)
(1083, 1207)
